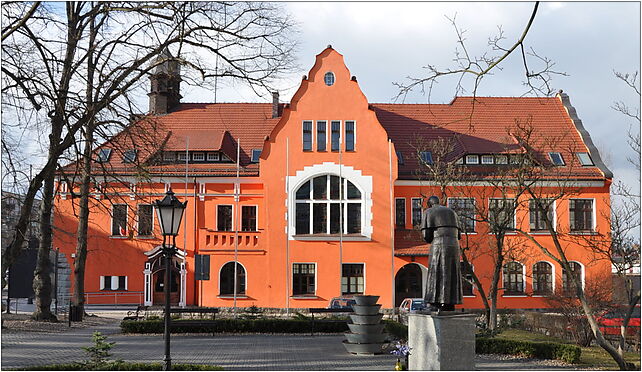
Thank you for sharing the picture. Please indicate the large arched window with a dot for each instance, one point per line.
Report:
(513, 278)
(328, 204)
(568, 286)
(542, 278)
(226, 279)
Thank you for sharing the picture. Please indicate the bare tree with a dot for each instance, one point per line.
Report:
(83, 65)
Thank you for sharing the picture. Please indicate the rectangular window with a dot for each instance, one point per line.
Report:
(103, 155)
(212, 156)
(248, 217)
(465, 209)
(581, 214)
(400, 213)
(113, 283)
(145, 220)
(129, 156)
(416, 212)
(501, 159)
(472, 159)
(224, 217)
(352, 280)
(198, 156)
(256, 153)
(426, 157)
(307, 135)
(119, 220)
(183, 156)
(302, 218)
(354, 218)
(303, 278)
(321, 135)
(539, 216)
(487, 159)
(556, 158)
(466, 278)
(349, 135)
(584, 158)
(319, 218)
(501, 213)
(169, 156)
(399, 157)
(336, 134)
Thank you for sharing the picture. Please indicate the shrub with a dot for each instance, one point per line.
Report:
(541, 350)
(99, 351)
(236, 326)
(396, 329)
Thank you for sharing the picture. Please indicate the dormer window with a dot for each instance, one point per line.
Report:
(328, 78)
(169, 156)
(501, 159)
(584, 158)
(556, 158)
(487, 159)
(182, 156)
(103, 155)
(129, 156)
(256, 153)
(198, 156)
(212, 156)
(472, 159)
(459, 161)
(426, 157)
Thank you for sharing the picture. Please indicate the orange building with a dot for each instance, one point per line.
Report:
(318, 198)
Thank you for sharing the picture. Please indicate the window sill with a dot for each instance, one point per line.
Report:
(469, 296)
(113, 290)
(515, 295)
(305, 297)
(118, 237)
(540, 233)
(231, 297)
(583, 233)
(541, 295)
(145, 237)
(326, 237)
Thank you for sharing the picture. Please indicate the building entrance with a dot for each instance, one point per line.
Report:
(408, 283)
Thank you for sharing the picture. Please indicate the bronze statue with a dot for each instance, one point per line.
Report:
(440, 228)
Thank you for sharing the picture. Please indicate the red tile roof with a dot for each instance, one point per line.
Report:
(410, 243)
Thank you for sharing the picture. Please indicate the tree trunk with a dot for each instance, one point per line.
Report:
(42, 275)
(78, 298)
(492, 293)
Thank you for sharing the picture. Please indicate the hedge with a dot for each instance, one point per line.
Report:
(541, 350)
(237, 326)
(121, 366)
(396, 329)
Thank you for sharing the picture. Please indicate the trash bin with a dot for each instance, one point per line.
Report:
(75, 313)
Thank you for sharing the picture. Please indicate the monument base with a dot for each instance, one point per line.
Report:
(441, 342)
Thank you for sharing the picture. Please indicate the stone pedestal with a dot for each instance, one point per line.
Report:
(441, 342)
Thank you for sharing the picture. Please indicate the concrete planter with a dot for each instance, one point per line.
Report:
(366, 333)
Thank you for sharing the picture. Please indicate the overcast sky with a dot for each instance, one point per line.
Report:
(385, 42)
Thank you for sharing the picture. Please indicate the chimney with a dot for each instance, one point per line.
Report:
(275, 105)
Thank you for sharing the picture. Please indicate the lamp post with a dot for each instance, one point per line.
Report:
(170, 212)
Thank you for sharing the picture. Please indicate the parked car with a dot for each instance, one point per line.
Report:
(611, 321)
(343, 302)
(410, 305)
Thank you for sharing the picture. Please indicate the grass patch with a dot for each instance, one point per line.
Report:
(593, 356)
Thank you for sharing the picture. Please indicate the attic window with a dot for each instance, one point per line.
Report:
(169, 156)
(487, 159)
(426, 157)
(556, 158)
(472, 159)
(459, 161)
(585, 158)
(501, 159)
(399, 157)
(329, 79)
(212, 156)
(129, 156)
(255, 155)
(182, 156)
(103, 155)
(198, 156)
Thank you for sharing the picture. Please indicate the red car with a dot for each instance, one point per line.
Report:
(611, 321)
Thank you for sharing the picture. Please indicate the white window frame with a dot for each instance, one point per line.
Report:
(311, 135)
(472, 156)
(114, 279)
(533, 278)
(582, 276)
(593, 216)
(256, 226)
(316, 135)
(554, 213)
(523, 280)
(474, 211)
(218, 279)
(514, 213)
(550, 156)
(340, 135)
(588, 158)
(316, 279)
(111, 227)
(212, 156)
(197, 155)
(169, 156)
(232, 218)
(183, 155)
(405, 211)
(138, 220)
(364, 275)
(354, 135)
(487, 159)
(503, 157)
(460, 160)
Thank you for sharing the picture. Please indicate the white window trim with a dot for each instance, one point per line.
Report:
(169, 156)
(316, 133)
(554, 213)
(553, 281)
(420, 207)
(216, 219)
(582, 276)
(199, 154)
(180, 154)
(311, 135)
(316, 279)
(363, 183)
(550, 157)
(214, 156)
(218, 278)
(593, 216)
(256, 226)
(474, 232)
(523, 280)
(341, 129)
(405, 212)
(471, 155)
(138, 221)
(504, 156)
(514, 213)
(492, 159)
(111, 227)
(364, 275)
(592, 164)
(354, 136)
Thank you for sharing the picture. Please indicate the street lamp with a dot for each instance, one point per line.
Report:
(170, 212)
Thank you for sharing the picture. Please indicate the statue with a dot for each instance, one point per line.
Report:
(440, 228)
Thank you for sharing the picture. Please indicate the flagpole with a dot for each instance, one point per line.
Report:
(342, 210)
(235, 214)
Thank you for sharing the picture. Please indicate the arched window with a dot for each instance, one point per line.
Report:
(568, 286)
(513, 278)
(328, 204)
(226, 279)
(542, 278)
